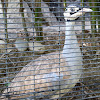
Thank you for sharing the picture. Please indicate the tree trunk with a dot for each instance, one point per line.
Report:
(38, 20)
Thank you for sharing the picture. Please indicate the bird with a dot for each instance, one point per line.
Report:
(51, 75)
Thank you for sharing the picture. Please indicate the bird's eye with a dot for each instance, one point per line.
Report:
(66, 9)
(72, 9)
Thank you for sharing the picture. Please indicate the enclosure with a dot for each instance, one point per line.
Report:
(45, 53)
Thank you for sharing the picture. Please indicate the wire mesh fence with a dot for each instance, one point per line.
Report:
(49, 49)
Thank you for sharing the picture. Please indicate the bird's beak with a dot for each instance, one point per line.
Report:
(87, 10)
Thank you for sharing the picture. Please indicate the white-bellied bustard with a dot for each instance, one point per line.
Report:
(53, 74)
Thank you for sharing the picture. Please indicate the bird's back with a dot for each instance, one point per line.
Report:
(42, 77)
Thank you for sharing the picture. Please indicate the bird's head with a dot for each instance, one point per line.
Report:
(73, 12)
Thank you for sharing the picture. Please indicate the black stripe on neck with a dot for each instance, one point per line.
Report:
(72, 20)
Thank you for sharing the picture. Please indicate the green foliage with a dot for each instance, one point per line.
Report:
(94, 18)
(93, 4)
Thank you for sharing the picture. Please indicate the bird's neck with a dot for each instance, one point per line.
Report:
(71, 50)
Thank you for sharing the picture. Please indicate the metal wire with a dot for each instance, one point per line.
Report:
(33, 61)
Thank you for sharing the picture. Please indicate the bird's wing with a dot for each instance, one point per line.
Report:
(40, 78)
